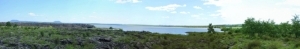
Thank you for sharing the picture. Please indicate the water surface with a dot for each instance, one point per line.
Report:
(172, 30)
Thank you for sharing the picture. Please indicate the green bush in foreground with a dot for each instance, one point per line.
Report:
(254, 45)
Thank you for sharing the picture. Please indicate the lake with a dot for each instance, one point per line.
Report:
(171, 30)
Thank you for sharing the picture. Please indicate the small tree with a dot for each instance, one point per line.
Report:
(250, 26)
(285, 29)
(8, 24)
(296, 25)
(210, 29)
(111, 28)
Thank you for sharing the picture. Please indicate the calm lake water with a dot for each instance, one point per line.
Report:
(171, 30)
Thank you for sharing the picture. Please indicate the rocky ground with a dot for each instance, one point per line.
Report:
(23, 37)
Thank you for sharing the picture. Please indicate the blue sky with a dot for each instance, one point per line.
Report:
(153, 12)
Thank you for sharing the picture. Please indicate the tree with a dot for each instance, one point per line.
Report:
(8, 24)
(248, 26)
(269, 28)
(284, 29)
(210, 29)
(111, 28)
(296, 25)
(252, 27)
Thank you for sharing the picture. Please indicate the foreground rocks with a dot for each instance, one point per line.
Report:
(101, 42)
(80, 37)
(70, 37)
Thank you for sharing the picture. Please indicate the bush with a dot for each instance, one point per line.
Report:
(237, 30)
(229, 32)
(297, 44)
(8, 24)
(273, 46)
(254, 44)
(276, 44)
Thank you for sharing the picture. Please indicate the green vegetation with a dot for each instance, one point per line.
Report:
(48, 37)
(254, 27)
(253, 34)
(295, 26)
(15, 25)
(8, 24)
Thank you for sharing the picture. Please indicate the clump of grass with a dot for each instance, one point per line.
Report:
(274, 44)
(254, 44)
(297, 44)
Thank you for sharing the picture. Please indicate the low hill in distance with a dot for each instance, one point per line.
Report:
(56, 24)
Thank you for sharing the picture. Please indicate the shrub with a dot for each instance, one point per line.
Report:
(237, 30)
(111, 28)
(273, 46)
(8, 24)
(225, 29)
(15, 25)
(254, 44)
(229, 32)
(297, 44)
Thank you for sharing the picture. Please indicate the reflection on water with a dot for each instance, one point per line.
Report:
(172, 30)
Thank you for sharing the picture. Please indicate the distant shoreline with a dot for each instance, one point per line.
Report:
(185, 26)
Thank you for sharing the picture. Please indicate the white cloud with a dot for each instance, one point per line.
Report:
(195, 16)
(94, 12)
(135, 1)
(166, 17)
(128, 1)
(236, 11)
(173, 12)
(215, 14)
(197, 7)
(169, 8)
(32, 14)
(98, 19)
(183, 12)
(198, 16)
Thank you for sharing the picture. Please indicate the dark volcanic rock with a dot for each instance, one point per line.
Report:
(106, 39)
(103, 42)
(66, 41)
(101, 39)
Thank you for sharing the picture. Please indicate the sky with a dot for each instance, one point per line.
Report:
(151, 12)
